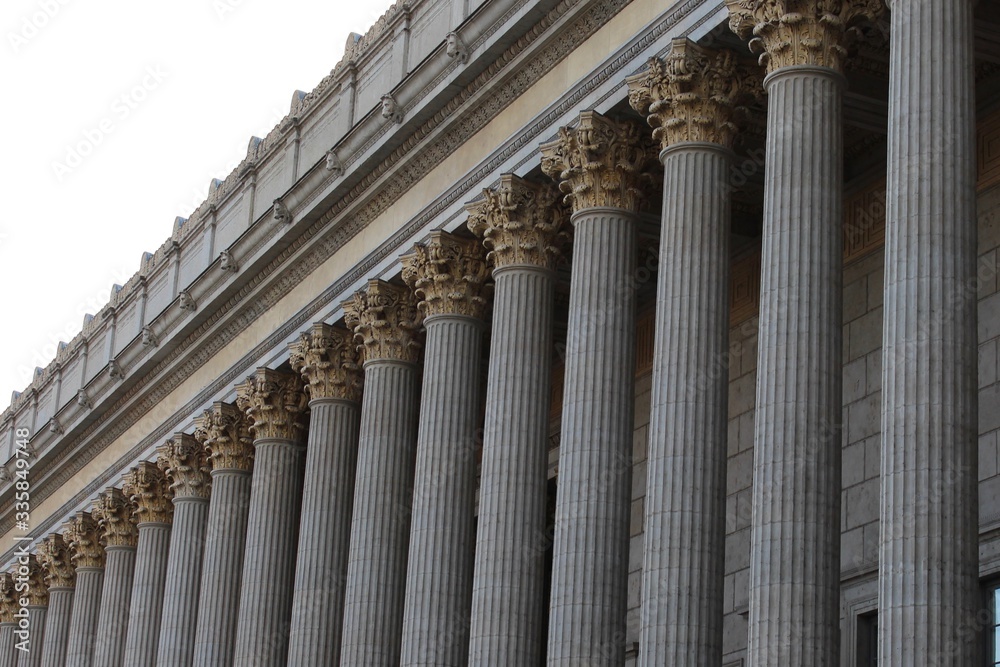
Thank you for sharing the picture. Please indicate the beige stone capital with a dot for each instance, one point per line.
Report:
(328, 360)
(115, 514)
(275, 403)
(386, 321)
(520, 223)
(38, 590)
(224, 431)
(694, 94)
(83, 536)
(8, 598)
(800, 32)
(148, 488)
(185, 462)
(55, 558)
(449, 275)
(600, 163)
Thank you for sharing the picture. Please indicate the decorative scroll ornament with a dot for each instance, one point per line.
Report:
(275, 404)
(148, 488)
(600, 163)
(329, 363)
(185, 462)
(8, 598)
(115, 514)
(449, 275)
(800, 32)
(82, 534)
(55, 558)
(694, 95)
(38, 590)
(386, 321)
(224, 431)
(520, 223)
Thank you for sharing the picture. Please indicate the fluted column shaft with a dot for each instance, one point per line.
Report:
(83, 620)
(324, 533)
(57, 623)
(590, 552)
(795, 542)
(683, 556)
(147, 594)
(376, 571)
(8, 654)
(929, 554)
(439, 574)
(116, 598)
(183, 579)
(37, 615)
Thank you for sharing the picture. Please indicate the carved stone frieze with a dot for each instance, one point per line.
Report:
(115, 514)
(224, 431)
(600, 163)
(449, 275)
(386, 321)
(83, 536)
(38, 590)
(56, 560)
(148, 488)
(275, 404)
(329, 362)
(185, 462)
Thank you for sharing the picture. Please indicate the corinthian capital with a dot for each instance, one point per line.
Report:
(275, 404)
(693, 95)
(600, 163)
(224, 431)
(449, 275)
(800, 32)
(386, 320)
(83, 537)
(55, 558)
(8, 598)
(115, 514)
(149, 489)
(329, 363)
(38, 590)
(520, 222)
(185, 462)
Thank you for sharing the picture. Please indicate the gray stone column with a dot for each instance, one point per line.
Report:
(929, 548)
(8, 654)
(185, 462)
(386, 319)
(115, 513)
(327, 358)
(276, 406)
(60, 577)
(225, 432)
(37, 608)
(685, 515)
(598, 163)
(148, 487)
(522, 226)
(87, 555)
(447, 274)
(8, 623)
(795, 538)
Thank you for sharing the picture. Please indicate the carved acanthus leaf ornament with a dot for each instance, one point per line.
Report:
(149, 489)
(185, 462)
(328, 360)
(82, 534)
(449, 276)
(38, 590)
(115, 514)
(275, 404)
(224, 431)
(386, 322)
(55, 558)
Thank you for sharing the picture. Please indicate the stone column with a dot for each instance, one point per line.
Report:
(8, 622)
(386, 320)
(225, 432)
(29, 651)
(60, 577)
(149, 489)
(599, 164)
(115, 514)
(929, 549)
(522, 225)
(276, 406)
(82, 534)
(447, 274)
(691, 99)
(185, 462)
(795, 539)
(328, 360)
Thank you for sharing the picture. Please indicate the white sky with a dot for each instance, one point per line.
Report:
(167, 94)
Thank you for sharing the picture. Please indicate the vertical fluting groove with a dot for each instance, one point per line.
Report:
(222, 568)
(929, 610)
(147, 594)
(590, 552)
(37, 616)
(112, 624)
(180, 598)
(324, 533)
(269, 562)
(380, 527)
(8, 654)
(795, 538)
(511, 540)
(439, 574)
(83, 619)
(57, 623)
(683, 550)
